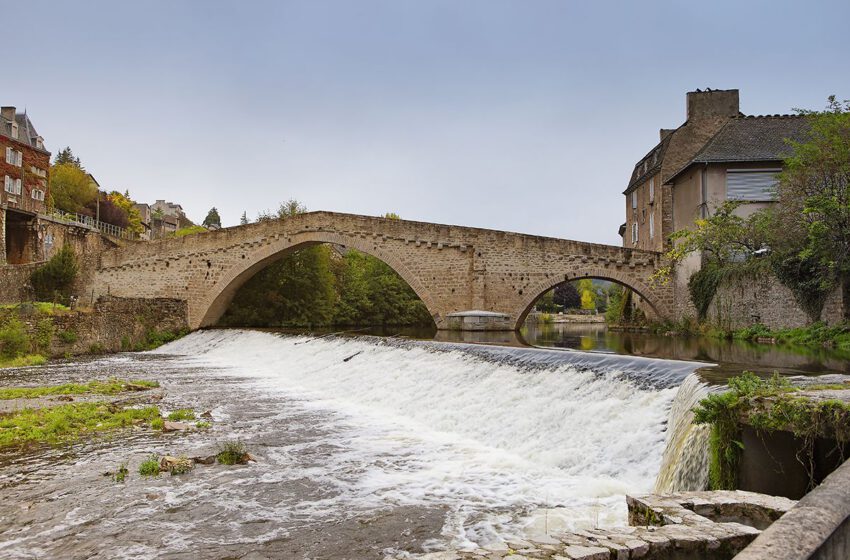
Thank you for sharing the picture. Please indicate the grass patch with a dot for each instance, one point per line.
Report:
(150, 466)
(23, 361)
(769, 405)
(109, 387)
(232, 453)
(158, 423)
(181, 414)
(65, 423)
(40, 307)
(203, 425)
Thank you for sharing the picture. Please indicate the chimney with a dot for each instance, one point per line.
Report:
(8, 113)
(712, 103)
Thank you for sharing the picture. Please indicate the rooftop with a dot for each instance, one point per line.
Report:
(755, 138)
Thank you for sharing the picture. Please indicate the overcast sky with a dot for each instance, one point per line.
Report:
(525, 116)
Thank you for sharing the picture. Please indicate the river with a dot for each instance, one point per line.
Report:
(365, 447)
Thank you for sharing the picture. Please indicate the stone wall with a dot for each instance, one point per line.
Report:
(113, 325)
(15, 283)
(764, 299)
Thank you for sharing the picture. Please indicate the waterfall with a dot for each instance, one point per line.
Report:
(684, 463)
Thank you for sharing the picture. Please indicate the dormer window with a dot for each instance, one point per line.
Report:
(15, 130)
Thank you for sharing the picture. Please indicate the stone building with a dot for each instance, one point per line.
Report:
(24, 166)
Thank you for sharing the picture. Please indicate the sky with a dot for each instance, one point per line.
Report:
(522, 116)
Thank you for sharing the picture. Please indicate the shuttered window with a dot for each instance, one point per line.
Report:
(755, 185)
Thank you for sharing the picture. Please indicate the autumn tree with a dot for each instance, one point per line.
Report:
(71, 188)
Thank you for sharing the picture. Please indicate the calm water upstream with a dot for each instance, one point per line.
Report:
(365, 447)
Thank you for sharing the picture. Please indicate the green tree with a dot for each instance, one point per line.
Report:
(566, 295)
(213, 220)
(66, 156)
(71, 189)
(54, 280)
(814, 202)
(392, 216)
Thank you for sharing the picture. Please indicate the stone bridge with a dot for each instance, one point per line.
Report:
(451, 268)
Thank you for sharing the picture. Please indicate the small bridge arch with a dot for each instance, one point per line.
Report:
(642, 289)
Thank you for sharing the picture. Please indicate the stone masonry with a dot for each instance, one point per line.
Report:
(451, 268)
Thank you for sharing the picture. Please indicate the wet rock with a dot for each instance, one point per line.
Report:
(208, 460)
(176, 465)
(169, 426)
(65, 398)
(207, 414)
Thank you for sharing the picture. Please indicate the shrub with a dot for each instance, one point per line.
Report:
(121, 474)
(232, 453)
(14, 341)
(44, 335)
(54, 280)
(150, 466)
(68, 337)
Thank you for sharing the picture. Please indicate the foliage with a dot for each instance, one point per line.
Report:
(546, 302)
(158, 423)
(232, 453)
(71, 188)
(769, 405)
(68, 336)
(43, 335)
(121, 474)
(68, 422)
(130, 217)
(588, 294)
(619, 305)
(190, 230)
(817, 334)
(155, 338)
(181, 414)
(150, 466)
(203, 424)
(392, 216)
(213, 220)
(813, 211)
(66, 157)
(14, 341)
(54, 280)
(286, 210)
(39, 307)
(110, 387)
(566, 295)
(23, 361)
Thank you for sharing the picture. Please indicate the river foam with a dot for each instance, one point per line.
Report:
(510, 441)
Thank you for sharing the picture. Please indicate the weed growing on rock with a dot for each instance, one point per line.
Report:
(121, 474)
(150, 466)
(232, 453)
(181, 414)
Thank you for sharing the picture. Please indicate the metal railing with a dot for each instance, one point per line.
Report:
(88, 221)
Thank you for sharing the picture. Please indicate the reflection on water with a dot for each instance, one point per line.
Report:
(732, 355)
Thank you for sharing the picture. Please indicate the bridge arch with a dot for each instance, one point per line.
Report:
(533, 294)
(206, 311)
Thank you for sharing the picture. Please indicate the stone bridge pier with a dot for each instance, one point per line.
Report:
(453, 269)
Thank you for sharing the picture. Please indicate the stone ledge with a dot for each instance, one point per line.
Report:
(710, 525)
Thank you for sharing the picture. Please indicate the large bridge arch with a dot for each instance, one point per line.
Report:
(640, 288)
(208, 310)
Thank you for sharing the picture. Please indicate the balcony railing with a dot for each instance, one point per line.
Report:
(88, 221)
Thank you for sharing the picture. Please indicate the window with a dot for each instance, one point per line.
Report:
(12, 186)
(14, 157)
(38, 194)
(652, 189)
(634, 233)
(38, 171)
(15, 130)
(634, 200)
(652, 226)
(751, 185)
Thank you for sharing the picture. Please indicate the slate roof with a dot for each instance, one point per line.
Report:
(754, 138)
(26, 131)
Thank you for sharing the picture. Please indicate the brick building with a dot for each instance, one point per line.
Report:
(24, 168)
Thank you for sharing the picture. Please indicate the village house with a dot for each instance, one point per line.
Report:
(717, 154)
(25, 166)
